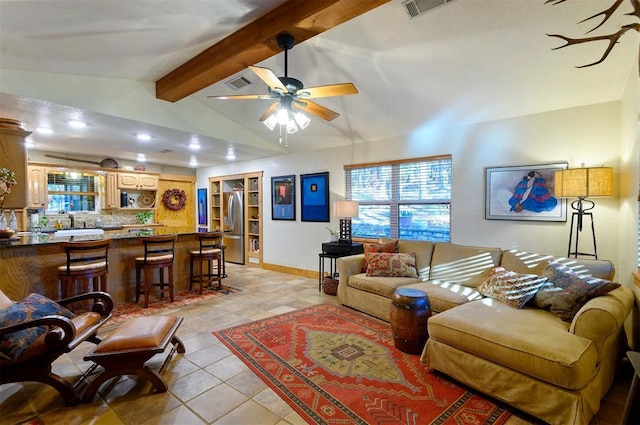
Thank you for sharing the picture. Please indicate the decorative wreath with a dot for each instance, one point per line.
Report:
(174, 199)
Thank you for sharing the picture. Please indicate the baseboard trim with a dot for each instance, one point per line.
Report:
(290, 270)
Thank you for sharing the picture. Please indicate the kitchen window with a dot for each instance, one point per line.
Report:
(408, 199)
(72, 191)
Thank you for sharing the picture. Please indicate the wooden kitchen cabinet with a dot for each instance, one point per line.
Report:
(111, 191)
(37, 186)
(135, 181)
(13, 155)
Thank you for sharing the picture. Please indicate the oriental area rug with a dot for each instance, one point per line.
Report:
(125, 311)
(336, 366)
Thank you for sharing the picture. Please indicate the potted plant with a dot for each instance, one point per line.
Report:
(405, 218)
(145, 217)
(333, 234)
(7, 180)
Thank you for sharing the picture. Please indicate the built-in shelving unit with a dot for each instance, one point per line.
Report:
(252, 184)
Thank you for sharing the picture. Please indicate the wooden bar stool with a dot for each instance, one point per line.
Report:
(87, 264)
(158, 254)
(210, 250)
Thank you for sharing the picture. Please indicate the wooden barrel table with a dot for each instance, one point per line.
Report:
(410, 310)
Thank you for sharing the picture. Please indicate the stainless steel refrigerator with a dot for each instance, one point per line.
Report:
(234, 226)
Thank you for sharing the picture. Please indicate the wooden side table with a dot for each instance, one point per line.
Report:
(410, 309)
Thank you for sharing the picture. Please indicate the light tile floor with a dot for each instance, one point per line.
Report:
(207, 385)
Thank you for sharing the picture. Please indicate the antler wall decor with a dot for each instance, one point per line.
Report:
(612, 38)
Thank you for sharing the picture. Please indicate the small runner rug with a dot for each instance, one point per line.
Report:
(336, 366)
(124, 311)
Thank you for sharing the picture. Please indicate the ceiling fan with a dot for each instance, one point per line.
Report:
(291, 94)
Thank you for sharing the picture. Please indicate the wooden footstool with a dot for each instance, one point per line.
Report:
(128, 348)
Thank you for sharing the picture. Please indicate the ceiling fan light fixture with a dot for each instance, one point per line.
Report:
(301, 119)
(291, 126)
(271, 122)
(282, 116)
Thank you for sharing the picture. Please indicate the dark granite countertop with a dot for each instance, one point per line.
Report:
(32, 239)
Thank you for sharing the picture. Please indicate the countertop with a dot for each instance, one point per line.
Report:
(33, 239)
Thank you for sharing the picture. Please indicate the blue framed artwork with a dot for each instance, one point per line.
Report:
(283, 198)
(202, 207)
(314, 199)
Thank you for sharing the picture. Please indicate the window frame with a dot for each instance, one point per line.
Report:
(395, 204)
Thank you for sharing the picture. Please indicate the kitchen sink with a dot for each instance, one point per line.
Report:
(78, 232)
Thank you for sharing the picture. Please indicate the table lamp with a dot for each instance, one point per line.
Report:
(346, 210)
(582, 183)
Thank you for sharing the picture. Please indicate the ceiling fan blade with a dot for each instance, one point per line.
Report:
(242, 96)
(270, 110)
(317, 110)
(327, 91)
(270, 79)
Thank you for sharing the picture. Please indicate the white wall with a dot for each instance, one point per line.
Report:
(589, 135)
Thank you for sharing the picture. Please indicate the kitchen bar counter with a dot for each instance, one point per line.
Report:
(30, 263)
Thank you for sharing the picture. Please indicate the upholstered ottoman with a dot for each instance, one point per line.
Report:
(128, 348)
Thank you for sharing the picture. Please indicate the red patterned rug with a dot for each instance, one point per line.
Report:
(128, 310)
(336, 366)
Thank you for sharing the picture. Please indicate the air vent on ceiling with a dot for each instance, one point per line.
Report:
(416, 8)
(166, 151)
(238, 83)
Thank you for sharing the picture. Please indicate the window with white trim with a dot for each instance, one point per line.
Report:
(407, 199)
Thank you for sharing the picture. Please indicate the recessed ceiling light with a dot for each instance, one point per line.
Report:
(77, 124)
(230, 156)
(193, 162)
(144, 137)
(142, 157)
(44, 130)
(194, 145)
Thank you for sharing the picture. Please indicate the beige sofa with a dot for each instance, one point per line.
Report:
(527, 358)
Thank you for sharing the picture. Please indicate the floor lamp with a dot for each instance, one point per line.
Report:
(583, 183)
(346, 210)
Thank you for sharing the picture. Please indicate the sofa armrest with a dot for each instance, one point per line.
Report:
(348, 266)
(602, 319)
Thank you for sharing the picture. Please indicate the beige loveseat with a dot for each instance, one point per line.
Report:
(528, 358)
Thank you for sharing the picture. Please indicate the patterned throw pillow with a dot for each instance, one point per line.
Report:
(513, 289)
(33, 307)
(389, 247)
(385, 264)
(565, 291)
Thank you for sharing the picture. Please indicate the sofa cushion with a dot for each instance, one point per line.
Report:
(468, 265)
(384, 264)
(565, 292)
(383, 286)
(391, 246)
(423, 251)
(513, 289)
(32, 307)
(527, 262)
(528, 340)
(446, 295)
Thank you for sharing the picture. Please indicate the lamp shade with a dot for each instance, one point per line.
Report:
(584, 182)
(345, 209)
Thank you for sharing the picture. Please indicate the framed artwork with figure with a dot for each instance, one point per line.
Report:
(283, 198)
(524, 192)
(314, 189)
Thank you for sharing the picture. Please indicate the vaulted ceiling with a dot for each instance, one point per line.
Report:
(464, 62)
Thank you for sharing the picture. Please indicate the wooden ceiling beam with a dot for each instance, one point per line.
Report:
(257, 41)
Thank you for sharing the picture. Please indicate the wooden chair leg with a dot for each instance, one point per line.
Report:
(148, 276)
(219, 258)
(171, 282)
(191, 273)
(137, 284)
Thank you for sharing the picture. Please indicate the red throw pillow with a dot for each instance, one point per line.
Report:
(389, 247)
